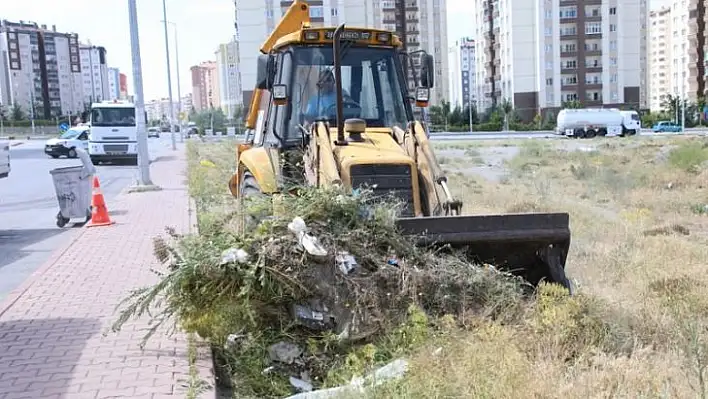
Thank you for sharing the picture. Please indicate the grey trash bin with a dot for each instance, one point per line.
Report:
(73, 188)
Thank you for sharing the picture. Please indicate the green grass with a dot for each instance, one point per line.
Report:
(689, 156)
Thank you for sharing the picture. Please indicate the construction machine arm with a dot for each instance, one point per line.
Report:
(294, 18)
(450, 204)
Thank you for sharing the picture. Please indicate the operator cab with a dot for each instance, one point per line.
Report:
(298, 80)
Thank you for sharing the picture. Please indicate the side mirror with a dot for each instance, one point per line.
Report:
(427, 70)
(422, 97)
(280, 94)
(265, 72)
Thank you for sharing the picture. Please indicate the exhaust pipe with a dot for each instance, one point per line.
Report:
(338, 84)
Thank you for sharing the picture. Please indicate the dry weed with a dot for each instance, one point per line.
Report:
(639, 253)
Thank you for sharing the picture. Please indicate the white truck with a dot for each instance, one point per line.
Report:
(4, 158)
(114, 132)
(591, 122)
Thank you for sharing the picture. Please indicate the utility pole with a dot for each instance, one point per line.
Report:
(683, 97)
(143, 156)
(169, 77)
(470, 106)
(32, 102)
(179, 86)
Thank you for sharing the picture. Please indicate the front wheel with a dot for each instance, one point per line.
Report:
(249, 188)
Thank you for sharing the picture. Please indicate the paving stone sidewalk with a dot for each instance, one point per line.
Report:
(51, 329)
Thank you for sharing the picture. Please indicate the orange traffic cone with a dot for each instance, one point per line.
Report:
(99, 212)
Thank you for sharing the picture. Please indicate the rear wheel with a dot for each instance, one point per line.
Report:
(72, 153)
(590, 133)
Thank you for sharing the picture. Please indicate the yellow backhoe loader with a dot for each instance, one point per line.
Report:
(336, 99)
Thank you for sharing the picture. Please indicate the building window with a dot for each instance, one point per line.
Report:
(334, 12)
(613, 28)
(613, 10)
(549, 48)
(593, 28)
(316, 12)
(549, 31)
(549, 82)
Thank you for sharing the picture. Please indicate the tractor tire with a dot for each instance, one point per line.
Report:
(249, 188)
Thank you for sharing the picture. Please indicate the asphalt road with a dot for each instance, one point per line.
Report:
(541, 134)
(28, 207)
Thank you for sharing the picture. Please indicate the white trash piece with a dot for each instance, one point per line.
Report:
(73, 190)
(310, 243)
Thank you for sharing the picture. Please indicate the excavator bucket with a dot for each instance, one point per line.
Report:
(533, 246)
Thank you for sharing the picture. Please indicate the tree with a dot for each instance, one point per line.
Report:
(506, 108)
(701, 105)
(16, 112)
(537, 120)
(445, 108)
(572, 104)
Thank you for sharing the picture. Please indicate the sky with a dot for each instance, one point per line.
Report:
(201, 26)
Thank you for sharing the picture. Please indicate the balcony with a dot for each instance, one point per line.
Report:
(568, 52)
(568, 67)
(568, 33)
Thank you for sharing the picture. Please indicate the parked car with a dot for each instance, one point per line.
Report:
(153, 132)
(666, 126)
(68, 142)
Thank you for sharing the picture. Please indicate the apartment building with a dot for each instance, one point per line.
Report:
(39, 69)
(539, 55)
(205, 86)
(229, 78)
(123, 86)
(158, 110)
(94, 72)
(462, 84)
(661, 58)
(113, 83)
(423, 21)
(696, 48)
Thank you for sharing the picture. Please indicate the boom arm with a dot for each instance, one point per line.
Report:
(297, 15)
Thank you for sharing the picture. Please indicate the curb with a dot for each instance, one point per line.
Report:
(18, 292)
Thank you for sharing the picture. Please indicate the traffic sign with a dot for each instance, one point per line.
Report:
(64, 127)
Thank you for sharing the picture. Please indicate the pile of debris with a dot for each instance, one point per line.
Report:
(288, 294)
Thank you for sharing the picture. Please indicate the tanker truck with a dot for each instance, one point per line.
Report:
(591, 122)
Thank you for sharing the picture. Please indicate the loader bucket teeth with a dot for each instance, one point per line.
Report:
(533, 246)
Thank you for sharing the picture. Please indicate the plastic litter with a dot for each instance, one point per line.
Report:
(346, 262)
(307, 241)
(234, 255)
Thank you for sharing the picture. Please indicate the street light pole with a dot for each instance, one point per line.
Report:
(179, 86)
(143, 157)
(169, 77)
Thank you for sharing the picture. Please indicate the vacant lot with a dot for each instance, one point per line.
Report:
(639, 255)
(637, 328)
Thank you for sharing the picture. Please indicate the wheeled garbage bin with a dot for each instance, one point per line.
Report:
(73, 186)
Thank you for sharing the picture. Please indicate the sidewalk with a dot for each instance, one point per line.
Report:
(51, 328)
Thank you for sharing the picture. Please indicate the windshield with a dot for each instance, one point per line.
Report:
(113, 117)
(370, 83)
(71, 134)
